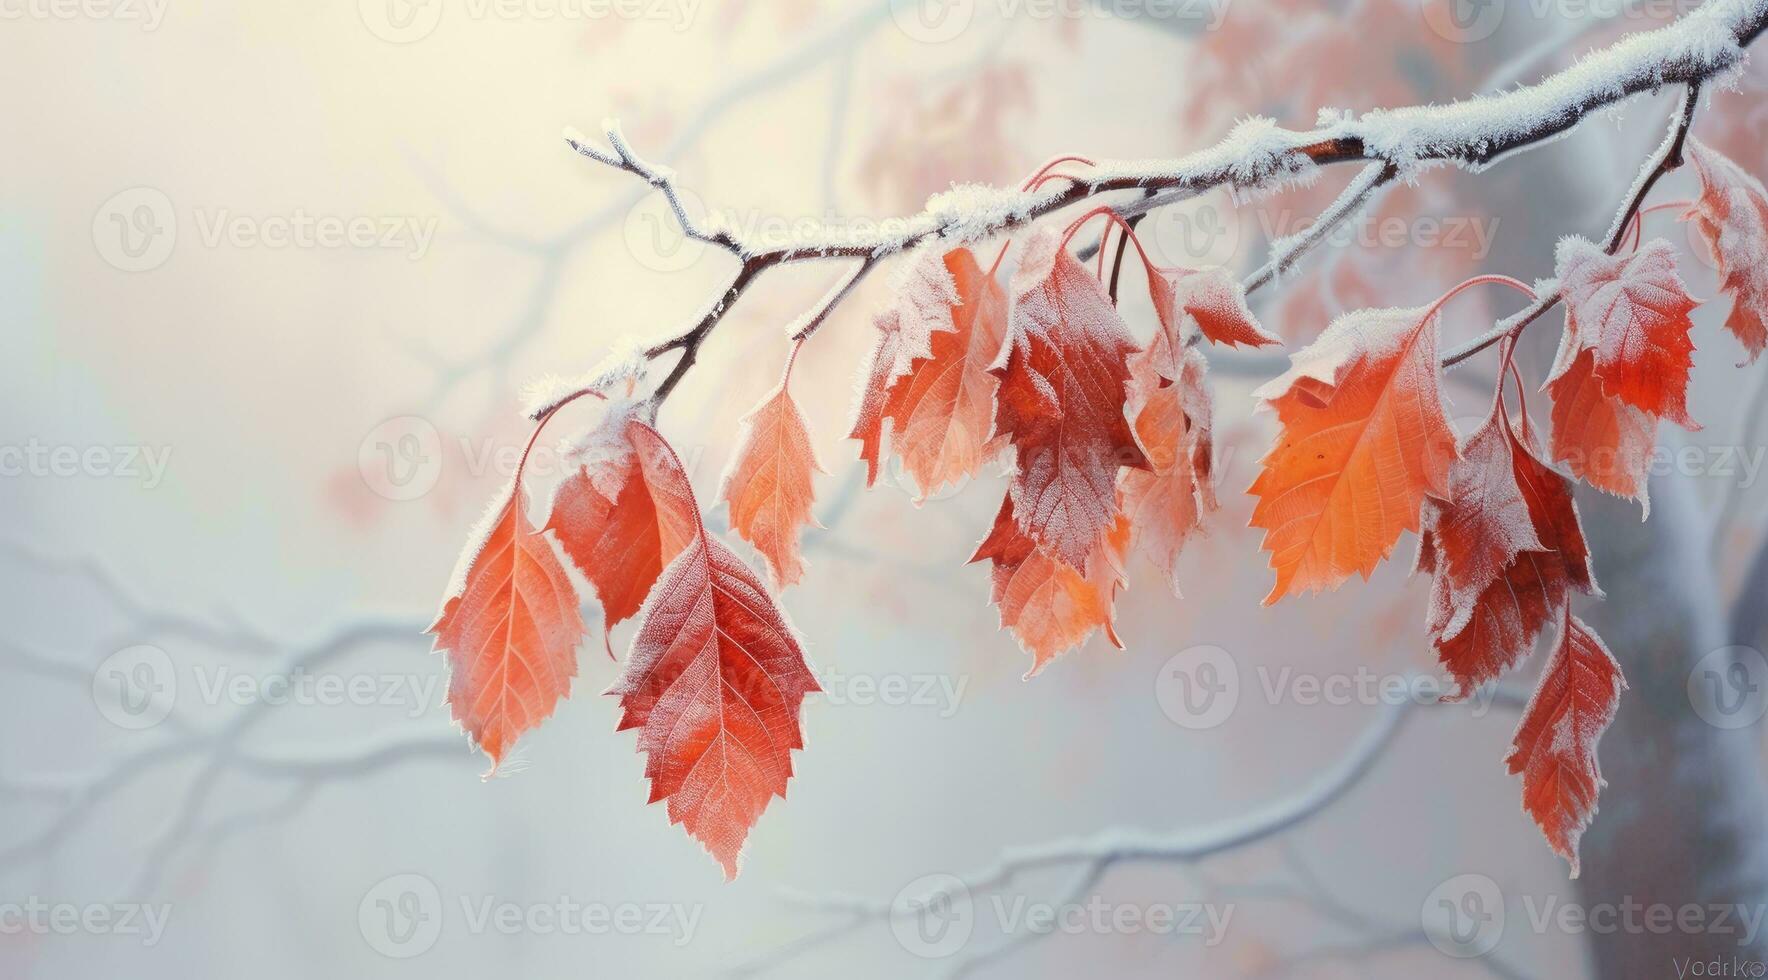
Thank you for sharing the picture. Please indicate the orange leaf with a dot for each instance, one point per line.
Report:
(926, 298)
(1602, 440)
(1050, 607)
(768, 485)
(1166, 503)
(1364, 441)
(714, 683)
(1061, 402)
(510, 628)
(1731, 215)
(1212, 298)
(1633, 313)
(613, 527)
(1555, 745)
(943, 407)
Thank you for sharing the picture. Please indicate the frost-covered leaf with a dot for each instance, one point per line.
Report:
(510, 628)
(1731, 215)
(1555, 745)
(922, 306)
(1061, 402)
(1504, 549)
(1170, 402)
(1601, 439)
(714, 683)
(1210, 298)
(1050, 607)
(618, 528)
(940, 411)
(769, 484)
(1632, 312)
(1364, 440)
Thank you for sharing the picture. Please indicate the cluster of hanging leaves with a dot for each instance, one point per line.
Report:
(715, 675)
(1109, 447)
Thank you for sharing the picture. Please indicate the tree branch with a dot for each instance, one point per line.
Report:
(1667, 158)
(1258, 154)
(1095, 855)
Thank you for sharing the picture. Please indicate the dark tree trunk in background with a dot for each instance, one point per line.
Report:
(1684, 819)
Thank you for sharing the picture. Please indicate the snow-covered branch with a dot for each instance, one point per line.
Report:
(1257, 155)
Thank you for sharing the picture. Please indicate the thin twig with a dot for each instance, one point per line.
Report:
(1667, 158)
(1284, 255)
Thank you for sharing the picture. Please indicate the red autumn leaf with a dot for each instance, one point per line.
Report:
(1061, 402)
(942, 408)
(925, 304)
(613, 526)
(1212, 298)
(1167, 502)
(1050, 607)
(1602, 440)
(1731, 215)
(1555, 745)
(768, 485)
(1504, 549)
(714, 683)
(1632, 312)
(510, 627)
(1364, 440)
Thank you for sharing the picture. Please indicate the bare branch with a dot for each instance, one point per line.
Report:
(1097, 854)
